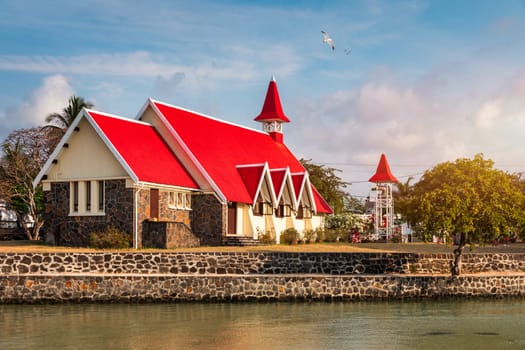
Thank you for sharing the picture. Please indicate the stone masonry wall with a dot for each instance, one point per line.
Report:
(224, 288)
(263, 263)
(167, 235)
(182, 276)
(62, 229)
(208, 219)
(165, 213)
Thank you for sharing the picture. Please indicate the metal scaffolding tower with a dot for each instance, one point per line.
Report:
(384, 203)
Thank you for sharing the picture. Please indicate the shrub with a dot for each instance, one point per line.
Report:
(290, 236)
(265, 237)
(319, 234)
(331, 235)
(309, 236)
(110, 239)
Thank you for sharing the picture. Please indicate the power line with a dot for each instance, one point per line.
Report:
(399, 177)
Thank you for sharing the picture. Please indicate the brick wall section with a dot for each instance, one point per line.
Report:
(208, 219)
(67, 230)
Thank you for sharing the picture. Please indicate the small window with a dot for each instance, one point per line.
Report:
(88, 195)
(304, 212)
(100, 196)
(179, 200)
(258, 208)
(172, 200)
(75, 196)
(86, 198)
(187, 204)
(284, 210)
(267, 208)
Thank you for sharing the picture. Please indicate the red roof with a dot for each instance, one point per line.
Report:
(320, 204)
(278, 177)
(272, 109)
(251, 176)
(144, 152)
(220, 147)
(383, 173)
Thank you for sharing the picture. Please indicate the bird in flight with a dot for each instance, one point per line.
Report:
(328, 40)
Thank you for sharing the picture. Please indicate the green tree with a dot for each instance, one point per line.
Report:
(467, 202)
(329, 185)
(64, 119)
(24, 153)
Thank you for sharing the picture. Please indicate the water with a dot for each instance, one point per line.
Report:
(450, 324)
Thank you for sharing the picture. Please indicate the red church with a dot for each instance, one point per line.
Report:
(177, 178)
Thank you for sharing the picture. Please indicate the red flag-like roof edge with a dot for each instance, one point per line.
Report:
(383, 173)
(272, 109)
(321, 205)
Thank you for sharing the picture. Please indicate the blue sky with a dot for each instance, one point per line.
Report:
(425, 81)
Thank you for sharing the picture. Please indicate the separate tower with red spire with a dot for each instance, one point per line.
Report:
(384, 203)
(272, 115)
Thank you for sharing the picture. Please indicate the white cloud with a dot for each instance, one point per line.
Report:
(488, 114)
(236, 62)
(50, 97)
(416, 125)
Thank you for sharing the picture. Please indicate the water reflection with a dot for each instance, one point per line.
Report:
(457, 324)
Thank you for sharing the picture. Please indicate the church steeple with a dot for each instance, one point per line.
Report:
(272, 115)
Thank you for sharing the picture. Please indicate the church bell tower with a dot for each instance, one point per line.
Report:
(272, 116)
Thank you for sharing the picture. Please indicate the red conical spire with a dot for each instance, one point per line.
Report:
(383, 173)
(272, 110)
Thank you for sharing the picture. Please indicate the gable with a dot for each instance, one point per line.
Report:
(96, 160)
(99, 145)
(282, 183)
(252, 175)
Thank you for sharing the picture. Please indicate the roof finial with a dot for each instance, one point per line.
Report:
(273, 77)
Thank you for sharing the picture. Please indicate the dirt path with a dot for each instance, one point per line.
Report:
(27, 246)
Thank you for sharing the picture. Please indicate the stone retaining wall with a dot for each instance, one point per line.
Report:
(176, 276)
(253, 263)
(164, 288)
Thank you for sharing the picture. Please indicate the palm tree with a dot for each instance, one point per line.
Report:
(69, 113)
(402, 189)
(401, 195)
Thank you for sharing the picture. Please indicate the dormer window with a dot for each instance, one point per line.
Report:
(304, 212)
(284, 210)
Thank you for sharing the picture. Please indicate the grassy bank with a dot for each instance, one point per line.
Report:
(29, 246)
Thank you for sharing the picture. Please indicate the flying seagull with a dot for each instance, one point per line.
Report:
(328, 40)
